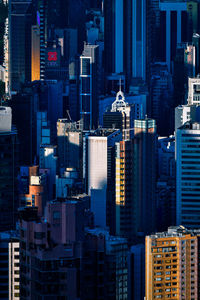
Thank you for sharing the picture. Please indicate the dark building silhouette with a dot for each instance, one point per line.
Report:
(89, 86)
(9, 164)
(136, 182)
(20, 21)
(24, 107)
(124, 190)
(70, 261)
(144, 175)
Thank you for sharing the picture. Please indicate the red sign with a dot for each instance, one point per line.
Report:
(52, 56)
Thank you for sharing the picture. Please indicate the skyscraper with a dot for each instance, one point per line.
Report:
(99, 173)
(139, 38)
(175, 20)
(126, 37)
(187, 175)
(124, 200)
(24, 107)
(114, 36)
(107, 278)
(135, 181)
(161, 98)
(172, 264)
(166, 183)
(89, 87)
(35, 53)
(196, 53)
(69, 140)
(8, 170)
(20, 21)
(136, 272)
(14, 269)
(120, 116)
(144, 175)
(9, 266)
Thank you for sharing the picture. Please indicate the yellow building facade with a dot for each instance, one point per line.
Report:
(172, 265)
(35, 53)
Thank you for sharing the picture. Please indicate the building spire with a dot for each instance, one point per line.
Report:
(120, 99)
(120, 84)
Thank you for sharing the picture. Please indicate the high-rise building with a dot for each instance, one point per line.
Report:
(9, 152)
(185, 113)
(54, 90)
(175, 19)
(187, 175)
(196, 53)
(136, 181)
(52, 250)
(74, 89)
(89, 87)
(43, 130)
(136, 101)
(42, 23)
(166, 183)
(125, 37)
(38, 96)
(37, 195)
(24, 107)
(35, 53)
(145, 141)
(194, 91)
(136, 272)
(161, 98)
(20, 21)
(190, 60)
(120, 116)
(99, 174)
(69, 141)
(14, 268)
(139, 38)
(9, 266)
(48, 160)
(70, 261)
(172, 264)
(108, 278)
(114, 36)
(182, 67)
(125, 209)
(56, 66)
(6, 55)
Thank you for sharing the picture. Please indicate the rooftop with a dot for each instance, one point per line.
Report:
(103, 132)
(176, 231)
(71, 199)
(190, 126)
(103, 232)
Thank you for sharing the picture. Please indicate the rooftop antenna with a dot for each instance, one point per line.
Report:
(68, 115)
(120, 84)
